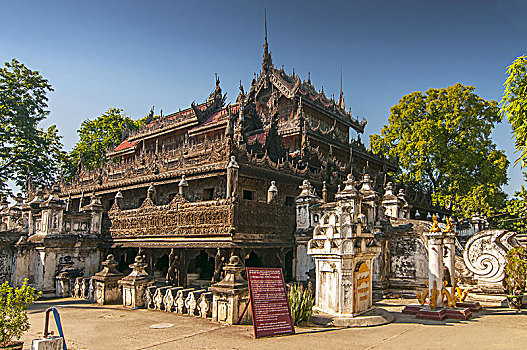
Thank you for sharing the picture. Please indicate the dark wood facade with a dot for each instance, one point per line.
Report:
(281, 130)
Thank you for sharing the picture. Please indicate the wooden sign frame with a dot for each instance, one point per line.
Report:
(269, 305)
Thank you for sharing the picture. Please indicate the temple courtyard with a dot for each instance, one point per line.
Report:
(91, 326)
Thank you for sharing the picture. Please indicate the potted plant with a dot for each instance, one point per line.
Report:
(13, 313)
(514, 281)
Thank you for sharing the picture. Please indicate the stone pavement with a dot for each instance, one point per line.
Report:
(90, 326)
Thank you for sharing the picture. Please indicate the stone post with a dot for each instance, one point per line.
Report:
(232, 178)
(150, 192)
(4, 203)
(33, 208)
(65, 279)
(449, 241)
(96, 209)
(107, 289)
(435, 264)
(272, 192)
(52, 213)
(370, 198)
(304, 230)
(390, 202)
(183, 185)
(119, 199)
(81, 201)
(135, 283)
(230, 295)
(404, 207)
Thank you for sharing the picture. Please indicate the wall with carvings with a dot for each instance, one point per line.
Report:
(40, 266)
(6, 262)
(408, 260)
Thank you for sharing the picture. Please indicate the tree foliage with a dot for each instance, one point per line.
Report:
(515, 273)
(513, 216)
(99, 134)
(25, 148)
(442, 139)
(514, 104)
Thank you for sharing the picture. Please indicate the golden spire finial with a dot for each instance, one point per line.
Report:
(449, 225)
(435, 224)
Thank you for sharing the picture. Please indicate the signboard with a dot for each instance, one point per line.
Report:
(362, 287)
(270, 308)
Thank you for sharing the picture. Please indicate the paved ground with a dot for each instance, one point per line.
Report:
(89, 326)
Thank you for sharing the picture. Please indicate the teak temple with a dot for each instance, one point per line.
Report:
(252, 179)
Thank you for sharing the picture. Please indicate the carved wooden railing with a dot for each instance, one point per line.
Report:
(205, 153)
(174, 219)
(208, 218)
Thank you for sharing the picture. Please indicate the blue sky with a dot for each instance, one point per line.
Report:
(136, 54)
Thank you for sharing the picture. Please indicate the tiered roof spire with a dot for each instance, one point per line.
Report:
(267, 61)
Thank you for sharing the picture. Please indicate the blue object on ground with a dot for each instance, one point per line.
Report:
(59, 326)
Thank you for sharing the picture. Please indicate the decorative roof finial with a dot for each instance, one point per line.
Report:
(266, 60)
(341, 80)
(265, 21)
(341, 102)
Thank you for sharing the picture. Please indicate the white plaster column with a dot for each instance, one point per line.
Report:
(390, 201)
(449, 241)
(304, 230)
(435, 262)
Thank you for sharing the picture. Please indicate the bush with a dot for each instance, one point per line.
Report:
(13, 311)
(301, 301)
(515, 277)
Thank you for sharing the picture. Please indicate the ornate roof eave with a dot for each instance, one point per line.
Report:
(167, 123)
(210, 127)
(355, 124)
(125, 151)
(330, 141)
(193, 121)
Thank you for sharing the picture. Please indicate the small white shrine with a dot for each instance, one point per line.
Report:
(343, 247)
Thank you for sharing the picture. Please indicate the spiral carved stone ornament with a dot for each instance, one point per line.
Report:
(485, 254)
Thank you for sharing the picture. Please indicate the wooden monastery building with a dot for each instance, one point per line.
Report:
(190, 188)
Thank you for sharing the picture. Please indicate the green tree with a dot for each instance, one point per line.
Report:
(25, 148)
(442, 139)
(513, 216)
(13, 311)
(514, 104)
(99, 134)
